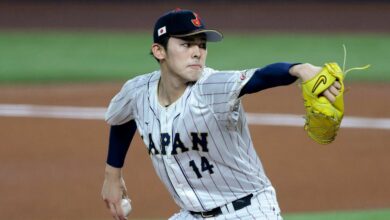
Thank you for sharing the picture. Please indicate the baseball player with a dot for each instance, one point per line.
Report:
(192, 122)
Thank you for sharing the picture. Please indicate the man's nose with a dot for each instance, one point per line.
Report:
(196, 53)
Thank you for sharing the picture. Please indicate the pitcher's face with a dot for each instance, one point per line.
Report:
(186, 57)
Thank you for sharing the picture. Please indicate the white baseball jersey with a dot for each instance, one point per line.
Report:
(200, 145)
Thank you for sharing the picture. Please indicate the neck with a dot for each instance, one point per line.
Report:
(170, 89)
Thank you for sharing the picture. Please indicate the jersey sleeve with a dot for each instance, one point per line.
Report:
(121, 106)
(220, 90)
(272, 75)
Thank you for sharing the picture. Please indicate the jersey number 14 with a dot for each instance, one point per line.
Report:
(205, 166)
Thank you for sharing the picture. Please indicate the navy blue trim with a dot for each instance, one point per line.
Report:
(276, 74)
(119, 142)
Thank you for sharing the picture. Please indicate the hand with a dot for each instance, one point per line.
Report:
(307, 71)
(332, 91)
(113, 190)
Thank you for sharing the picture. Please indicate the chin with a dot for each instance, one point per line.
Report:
(194, 76)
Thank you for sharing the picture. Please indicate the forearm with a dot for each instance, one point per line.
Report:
(272, 75)
(119, 142)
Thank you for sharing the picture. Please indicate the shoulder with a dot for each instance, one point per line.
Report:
(211, 76)
(121, 108)
(207, 74)
(222, 84)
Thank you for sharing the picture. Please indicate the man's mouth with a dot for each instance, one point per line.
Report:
(196, 66)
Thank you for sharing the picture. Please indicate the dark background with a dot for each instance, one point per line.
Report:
(247, 15)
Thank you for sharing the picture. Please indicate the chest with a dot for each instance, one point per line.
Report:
(183, 127)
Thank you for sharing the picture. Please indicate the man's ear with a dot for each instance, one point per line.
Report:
(158, 51)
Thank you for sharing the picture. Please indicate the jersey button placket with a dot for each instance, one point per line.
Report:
(166, 127)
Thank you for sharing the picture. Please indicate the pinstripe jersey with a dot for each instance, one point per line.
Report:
(200, 145)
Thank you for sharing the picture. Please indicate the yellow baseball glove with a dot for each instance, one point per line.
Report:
(323, 118)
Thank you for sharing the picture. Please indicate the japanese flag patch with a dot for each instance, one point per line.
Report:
(162, 31)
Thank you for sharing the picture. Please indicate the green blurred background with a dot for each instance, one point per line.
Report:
(94, 40)
(94, 56)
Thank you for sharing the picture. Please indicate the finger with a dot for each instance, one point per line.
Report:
(329, 96)
(113, 211)
(337, 85)
(119, 212)
(122, 217)
(334, 90)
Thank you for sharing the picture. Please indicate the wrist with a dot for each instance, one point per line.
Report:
(295, 70)
(113, 172)
(304, 71)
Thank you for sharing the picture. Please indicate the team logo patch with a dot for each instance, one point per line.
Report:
(321, 79)
(162, 31)
(196, 22)
(243, 76)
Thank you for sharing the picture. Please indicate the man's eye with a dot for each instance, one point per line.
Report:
(186, 45)
(203, 46)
